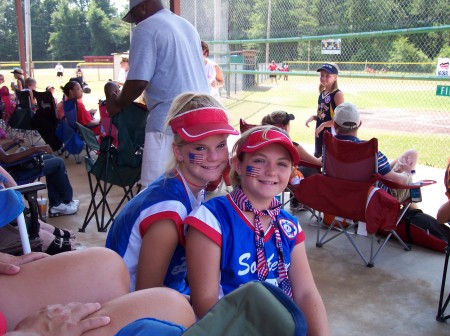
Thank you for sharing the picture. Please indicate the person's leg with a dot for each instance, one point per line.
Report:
(160, 303)
(58, 184)
(157, 153)
(90, 275)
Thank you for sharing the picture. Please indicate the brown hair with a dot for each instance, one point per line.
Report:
(277, 118)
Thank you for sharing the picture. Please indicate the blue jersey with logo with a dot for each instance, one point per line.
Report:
(165, 198)
(225, 224)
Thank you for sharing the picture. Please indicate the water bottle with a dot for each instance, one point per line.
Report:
(416, 194)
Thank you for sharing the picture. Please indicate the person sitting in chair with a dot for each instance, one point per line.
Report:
(60, 192)
(347, 123)
(72, 90)
(54, 240)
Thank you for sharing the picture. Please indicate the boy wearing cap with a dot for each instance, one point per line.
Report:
(148, 233)
(347, 122)
(165, 61)
(18, 75)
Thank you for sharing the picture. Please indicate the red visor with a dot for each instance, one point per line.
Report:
(262, 138)
(201, 123)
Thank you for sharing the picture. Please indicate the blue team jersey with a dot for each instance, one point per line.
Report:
(225, 224)
(165, 198)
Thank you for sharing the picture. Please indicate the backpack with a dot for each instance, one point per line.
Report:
(424, 230)
(256, 308)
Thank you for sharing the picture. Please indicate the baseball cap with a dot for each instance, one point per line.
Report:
(200, 123)
(49, 87)
(17, 71)
(330, 68)
(133, 3)
(265, 136)
(346, 116)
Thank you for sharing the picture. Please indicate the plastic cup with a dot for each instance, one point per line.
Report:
(42, 207)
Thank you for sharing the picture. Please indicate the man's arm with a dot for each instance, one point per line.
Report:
(131, 90)
(11, 158)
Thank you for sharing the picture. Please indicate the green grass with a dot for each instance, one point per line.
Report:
(299, 96)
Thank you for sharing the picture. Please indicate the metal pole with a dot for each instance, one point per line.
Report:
(29, 52)
(20, 38)
(269, 18)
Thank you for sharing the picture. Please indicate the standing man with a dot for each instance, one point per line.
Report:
(165, 60)
(59, 71)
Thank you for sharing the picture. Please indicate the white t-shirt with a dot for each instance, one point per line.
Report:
(165, 50)
(210, 72)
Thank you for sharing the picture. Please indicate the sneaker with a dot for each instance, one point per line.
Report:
(63, 209)
(75, 203)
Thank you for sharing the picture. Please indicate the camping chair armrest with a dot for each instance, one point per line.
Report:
(308, 164)
(35, 186)
(394, 185)
(29, 191)
(37, 155)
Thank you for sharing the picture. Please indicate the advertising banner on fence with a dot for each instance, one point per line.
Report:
(331, 46)
(442, 67)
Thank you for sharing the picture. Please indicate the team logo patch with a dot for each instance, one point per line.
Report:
(327, 99)
(289, 228)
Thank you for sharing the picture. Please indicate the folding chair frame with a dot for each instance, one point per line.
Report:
(358, 178)
(441, 317)
(102, 185)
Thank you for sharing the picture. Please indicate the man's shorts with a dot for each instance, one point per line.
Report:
(157, 155)
(59, 74)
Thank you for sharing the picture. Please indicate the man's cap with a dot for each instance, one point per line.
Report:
(200, 123)
(330, 68)
(346, 116)
(133, 3)
(261, 138)
(49, 87)
(17, 71)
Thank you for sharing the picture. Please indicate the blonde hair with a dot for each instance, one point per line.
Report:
(235, 178)
(335, 86)
(182, 103)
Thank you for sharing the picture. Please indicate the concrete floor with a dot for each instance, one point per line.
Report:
(399, 296)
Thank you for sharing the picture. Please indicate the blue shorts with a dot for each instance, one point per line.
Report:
(151, 326)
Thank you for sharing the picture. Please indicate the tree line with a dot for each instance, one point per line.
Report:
(70, 29)
(65, 29)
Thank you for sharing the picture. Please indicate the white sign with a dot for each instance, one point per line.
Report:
(442, 68)
(331, 46)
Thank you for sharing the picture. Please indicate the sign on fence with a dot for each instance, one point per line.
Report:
(331, 46)
(442, 67)
(443, 90)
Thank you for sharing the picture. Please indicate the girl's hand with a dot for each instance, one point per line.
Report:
(312, 118)
(71, 320)
(9, 264)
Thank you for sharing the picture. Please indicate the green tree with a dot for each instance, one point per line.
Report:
(41, 12)
(71, 38)
(405, 52)
(108, 35)
(8, 32)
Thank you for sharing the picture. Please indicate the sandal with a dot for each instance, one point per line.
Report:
(59, 245)
(65, 233)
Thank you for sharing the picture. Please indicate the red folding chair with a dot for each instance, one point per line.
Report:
(347, 189)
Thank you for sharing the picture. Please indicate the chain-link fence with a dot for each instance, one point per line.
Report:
(387, 52)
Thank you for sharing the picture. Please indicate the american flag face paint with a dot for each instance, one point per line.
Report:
(195, 158)
(252, 171)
